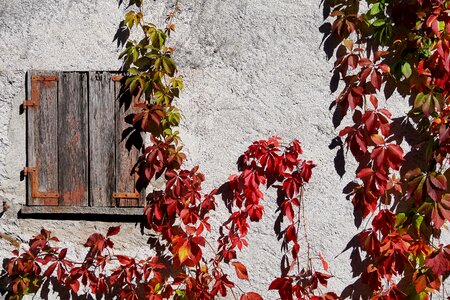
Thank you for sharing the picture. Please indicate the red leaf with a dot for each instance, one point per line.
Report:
(74, 285)
(375, 79)
(284, 287)
(291, 234)
(307, 167)
(241, 270)
(324, 262)
(113, 231)
(439, 181)
(438, 262)
(62, 254)
(124, 260)
(277, 283)
(364, 173)
(374, 101)
(251, 296)
(420, 283)
(50, 270)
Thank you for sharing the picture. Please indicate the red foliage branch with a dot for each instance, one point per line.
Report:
(408, 205)
(178, 219)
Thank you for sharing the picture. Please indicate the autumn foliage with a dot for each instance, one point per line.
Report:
(403, 47)
(177, 217)
(402, 193)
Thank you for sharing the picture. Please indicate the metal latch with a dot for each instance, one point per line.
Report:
(34, 101)
(35, 193)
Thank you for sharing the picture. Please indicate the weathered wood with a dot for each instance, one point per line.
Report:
(125, 160)
(101, 139)
(73, 139)
(42, 137)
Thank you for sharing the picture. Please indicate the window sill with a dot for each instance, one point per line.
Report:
(122, 214)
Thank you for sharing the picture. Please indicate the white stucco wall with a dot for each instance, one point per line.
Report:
(252, 69)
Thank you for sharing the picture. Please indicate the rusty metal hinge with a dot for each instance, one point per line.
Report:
(134, 195)
(35, 193)
(34, 101)
(117, 77)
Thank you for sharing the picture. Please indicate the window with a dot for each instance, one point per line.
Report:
(76, 162)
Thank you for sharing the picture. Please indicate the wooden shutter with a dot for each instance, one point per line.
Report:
(57, 134)
(101, 139)
(73, 139)
(75, 156)
(42, 138)
(110, 182)
(126, 193)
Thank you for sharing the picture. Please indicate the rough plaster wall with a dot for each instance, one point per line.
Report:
(252, 68)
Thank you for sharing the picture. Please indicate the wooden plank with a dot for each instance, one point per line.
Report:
(125, 160)
(73, 139)
(101, 139)
(42, 137)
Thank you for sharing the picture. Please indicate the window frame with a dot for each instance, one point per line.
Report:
(88, 100)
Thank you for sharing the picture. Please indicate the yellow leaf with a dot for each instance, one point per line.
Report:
(184, 252)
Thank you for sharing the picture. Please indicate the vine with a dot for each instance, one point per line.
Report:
(402, 46)
(177, 217)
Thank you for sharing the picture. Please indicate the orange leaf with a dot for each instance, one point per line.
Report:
(184, 252)
(241, 270)
(377, 139)
(324, 262)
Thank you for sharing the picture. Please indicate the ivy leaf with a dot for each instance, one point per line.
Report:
(169, 65)
(406, 70)
(324, 262)
(379, 22)
(251, 296)
(420, 100)
(375, 9)
(113, 231)
(420, 283)
(377, 139)
(184, 252)
(400, 219)
(62, 254)
(241, 270)
(438, 262)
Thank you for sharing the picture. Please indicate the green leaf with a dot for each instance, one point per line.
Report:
(375, 9)
(134, 84)
(379, 22)
(157, 64)
(417, 221)
(167, 131)
(143, 63)
(159, 97)
(420, 100)
(168, 65)
(177, 82)
(174, 116)
(400, 219)
(406, 70)
(135, 54)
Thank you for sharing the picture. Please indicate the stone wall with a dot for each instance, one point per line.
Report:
(252, 69)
